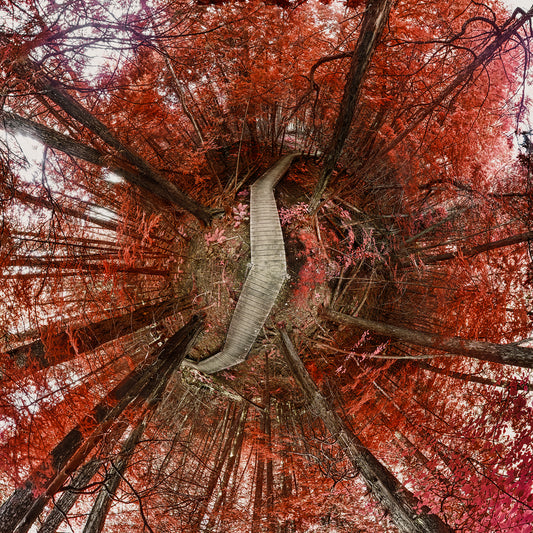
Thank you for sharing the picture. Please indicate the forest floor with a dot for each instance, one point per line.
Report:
(216, 268)
(319, 251)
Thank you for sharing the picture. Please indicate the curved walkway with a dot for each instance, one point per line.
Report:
(266, 276)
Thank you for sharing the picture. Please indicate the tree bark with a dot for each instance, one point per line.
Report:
(269, 463)
(63, 143)
(69, 497)
(23, 507)
(258, 491)
(504, 354)
(470, 378)
(374, 20)
(49, 137)
(46, 203)
(52, 348)
(476, 250)
(217, 469)
(286, 468)
(146, 177)
(384, 486)
(234, 452)
(16, 514)
(96, 520)
(75, 488)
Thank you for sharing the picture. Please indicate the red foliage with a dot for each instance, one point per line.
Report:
(205, 93)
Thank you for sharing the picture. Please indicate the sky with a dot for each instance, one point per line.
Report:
(524, 4)
(34, 150)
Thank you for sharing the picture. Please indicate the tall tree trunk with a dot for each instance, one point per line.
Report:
(287, 525)
(374, 19)
(258, 490)
(147, 177)
(384, 486)
(470, 378)
(55, 348)
(269, 466)
(235, 478)
(63, 143)
(96, 520)
(140, 388)
(481, 248)
(69, 497)
(39, 201)
(504, 354)
(49, 137)
(264, 489)
(78, 483)
(234, 453)
(21, 509)
(217, 469)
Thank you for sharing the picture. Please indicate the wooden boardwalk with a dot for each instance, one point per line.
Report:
(266, 276)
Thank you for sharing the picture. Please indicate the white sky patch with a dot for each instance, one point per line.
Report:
(31, 398)
(33, 152)
(522, 4)
(102, 213)
(96, 61)
(32, 149)
(111, 177)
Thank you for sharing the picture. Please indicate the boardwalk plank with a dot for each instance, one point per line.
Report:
(265, 278)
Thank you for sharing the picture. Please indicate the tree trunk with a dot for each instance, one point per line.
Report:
(388, 491)
(49, 137)
(24, 506)
(374, 19)
(18, 515)
(96, 519)
(48, 204)
(470, 378)
(75, 488)
(217, 469)
(287, 525)
(146, 177)
(504, 354)
(69, 497)
(476, 250)
(53, 349)
(258, 491)
(63, 143)
(269, 464)
(234, 452)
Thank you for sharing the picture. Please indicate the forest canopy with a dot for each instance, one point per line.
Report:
(388, 389)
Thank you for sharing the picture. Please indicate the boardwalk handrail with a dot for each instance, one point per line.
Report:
(265, 278)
